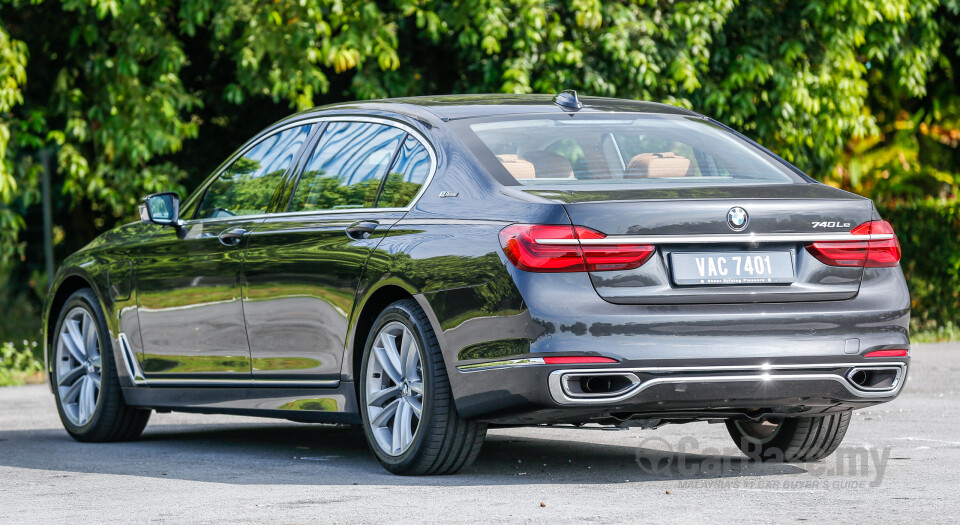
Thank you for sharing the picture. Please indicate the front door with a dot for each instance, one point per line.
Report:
(189, 302)
(191, 317)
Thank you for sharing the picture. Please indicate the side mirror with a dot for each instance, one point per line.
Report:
(162, 209)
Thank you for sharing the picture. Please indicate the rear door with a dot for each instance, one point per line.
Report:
(302, 267)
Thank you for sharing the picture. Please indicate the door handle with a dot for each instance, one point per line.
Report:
(362, 229)
(231, 236)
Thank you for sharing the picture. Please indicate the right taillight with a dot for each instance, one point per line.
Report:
(879, 249)
(556, 248)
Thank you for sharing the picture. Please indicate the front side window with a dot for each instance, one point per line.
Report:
(347, 167)
(248, 185)
(644, 150)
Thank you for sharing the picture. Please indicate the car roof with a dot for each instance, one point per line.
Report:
(455, 107)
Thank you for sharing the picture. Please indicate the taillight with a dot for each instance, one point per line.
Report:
(879, 250)
(555, 248)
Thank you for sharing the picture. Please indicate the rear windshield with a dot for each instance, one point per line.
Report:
(592, 149)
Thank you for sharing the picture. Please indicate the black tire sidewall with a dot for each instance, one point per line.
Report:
(400, 313)
(86, 299)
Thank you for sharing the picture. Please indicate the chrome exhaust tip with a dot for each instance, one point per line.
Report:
(875, 378)
(598, 385)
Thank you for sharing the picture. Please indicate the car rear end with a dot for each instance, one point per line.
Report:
(698, 277)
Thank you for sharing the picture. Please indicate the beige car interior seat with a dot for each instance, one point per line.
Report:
(519, 168)
(653, 165)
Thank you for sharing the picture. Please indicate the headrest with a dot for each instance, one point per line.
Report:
(519, 168)
(652, 165)
(549, 165)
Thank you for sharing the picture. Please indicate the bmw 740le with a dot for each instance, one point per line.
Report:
(430, 267)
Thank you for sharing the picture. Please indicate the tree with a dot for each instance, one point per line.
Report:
(149, 95)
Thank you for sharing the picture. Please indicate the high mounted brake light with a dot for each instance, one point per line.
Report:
(529, 248)
(876, 247)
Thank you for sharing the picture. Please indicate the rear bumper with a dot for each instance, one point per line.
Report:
(715, 353)
(535, 393)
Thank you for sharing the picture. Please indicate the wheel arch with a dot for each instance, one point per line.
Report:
(366, 311)
(64, 289)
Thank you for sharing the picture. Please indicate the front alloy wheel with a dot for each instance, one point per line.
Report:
(84, 374)
(408, 411)
(790, 439)
(79, 366)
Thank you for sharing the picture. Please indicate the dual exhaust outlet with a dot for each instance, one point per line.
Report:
(596, 386)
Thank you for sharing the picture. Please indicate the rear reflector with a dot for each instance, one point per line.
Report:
(868, 253)
(577, 359)
(887, 353)
(519, 242)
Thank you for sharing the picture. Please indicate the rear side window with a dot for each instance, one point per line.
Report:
(645, 150)
(407, 175)
(347, 166)
(248, 185)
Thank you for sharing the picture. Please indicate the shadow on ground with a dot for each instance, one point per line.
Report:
(296, 454)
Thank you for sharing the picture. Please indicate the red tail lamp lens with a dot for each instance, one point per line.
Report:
(887, 353)
(555, 248)
(872, 253)
(582, 359)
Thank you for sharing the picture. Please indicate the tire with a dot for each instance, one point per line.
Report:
(439, 440)
(104, 415)
(793, 439)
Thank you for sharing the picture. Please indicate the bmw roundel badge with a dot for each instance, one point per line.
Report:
(737, 218)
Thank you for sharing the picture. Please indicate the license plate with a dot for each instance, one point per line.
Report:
(710, 268)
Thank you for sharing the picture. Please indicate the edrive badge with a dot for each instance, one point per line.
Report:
(737, 218)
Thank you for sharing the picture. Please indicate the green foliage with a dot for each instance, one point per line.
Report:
(130, 97)
(18, 364)
(320, 191)
(929, 234)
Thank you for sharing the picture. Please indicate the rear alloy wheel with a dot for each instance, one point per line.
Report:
(792, 439)
(394, 389)
(87, 390)
(407, 407)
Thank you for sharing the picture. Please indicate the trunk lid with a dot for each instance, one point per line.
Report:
(696, 242)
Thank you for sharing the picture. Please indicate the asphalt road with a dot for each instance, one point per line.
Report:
(207, 469)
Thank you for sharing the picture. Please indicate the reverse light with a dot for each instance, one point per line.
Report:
(887, 353)
(869, 253)
(577, 359)
(556, 248)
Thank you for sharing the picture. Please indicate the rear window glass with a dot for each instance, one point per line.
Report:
(654, 149)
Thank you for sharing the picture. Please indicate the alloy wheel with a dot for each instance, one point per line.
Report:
(394, 388)
(79, 366)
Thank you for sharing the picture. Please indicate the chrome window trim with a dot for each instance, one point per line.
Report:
(750, 238)
(434, 163)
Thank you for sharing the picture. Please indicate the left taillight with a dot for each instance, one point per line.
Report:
(557, 248)
(881, 250)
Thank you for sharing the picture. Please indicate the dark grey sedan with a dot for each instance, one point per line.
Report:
(429, 267)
